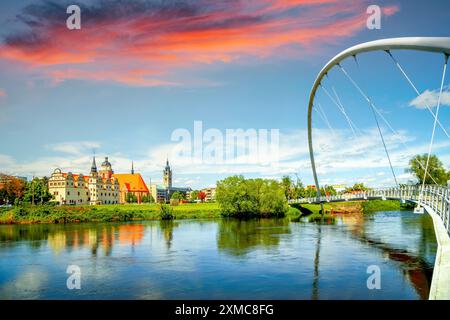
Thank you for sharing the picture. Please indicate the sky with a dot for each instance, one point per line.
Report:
(138, 71)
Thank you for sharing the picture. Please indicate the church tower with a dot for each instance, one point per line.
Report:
(106, 171)
(94, 168)
(167, 176)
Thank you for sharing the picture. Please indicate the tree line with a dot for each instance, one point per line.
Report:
(15, 191)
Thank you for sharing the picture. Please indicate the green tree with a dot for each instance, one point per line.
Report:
(328, 190)
(435, 171)
(357, 187)
(37, 190)
(194, 195)
(3, 196)
(177, 195)
(240, 197)
(148, 199)
(310, 192)
(130, 198)
(288, 185)
(299, 190)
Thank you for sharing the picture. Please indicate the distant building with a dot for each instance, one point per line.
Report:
(132, 184)
(162, 193)
(158, 192)
(77, 189)
(210, 194)
(167, 176)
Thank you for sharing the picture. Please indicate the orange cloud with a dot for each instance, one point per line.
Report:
(148, 43)
(2, 93)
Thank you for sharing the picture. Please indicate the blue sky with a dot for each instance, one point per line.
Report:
(128, 96)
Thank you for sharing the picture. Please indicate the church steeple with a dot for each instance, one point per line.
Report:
(132, 167)
(93, 166)
(167, 175)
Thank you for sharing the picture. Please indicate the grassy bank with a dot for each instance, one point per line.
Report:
(312, 211)
(103, 213)
(385, 205)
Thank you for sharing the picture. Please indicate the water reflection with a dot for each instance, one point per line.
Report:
(166, 227)
(315, 291)
(238, 237)
(74, 237)
(415, 264)
(222, 259)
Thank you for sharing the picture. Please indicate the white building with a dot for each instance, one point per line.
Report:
(77, 189)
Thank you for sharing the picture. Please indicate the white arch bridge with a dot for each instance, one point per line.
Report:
(433, 199)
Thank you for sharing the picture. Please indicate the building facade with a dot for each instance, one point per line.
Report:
(77, 189)
(210, 194)
(132, 184)
(129, 183)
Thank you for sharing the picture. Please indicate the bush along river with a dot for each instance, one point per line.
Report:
(221, 259)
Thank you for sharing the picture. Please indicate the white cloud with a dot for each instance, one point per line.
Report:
(430, 99)
(340, 159)
(74, 147)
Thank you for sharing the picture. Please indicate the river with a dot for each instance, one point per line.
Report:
(221, 259)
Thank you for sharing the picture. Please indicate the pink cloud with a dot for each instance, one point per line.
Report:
(147, 45)
(390, 10)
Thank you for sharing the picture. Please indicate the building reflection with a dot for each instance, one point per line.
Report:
(74, 237)
(131, 234)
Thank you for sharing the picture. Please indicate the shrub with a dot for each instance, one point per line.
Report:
(293, 212)
(165, 212)
(19, 212)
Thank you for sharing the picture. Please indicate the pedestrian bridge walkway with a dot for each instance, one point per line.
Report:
(435, 200)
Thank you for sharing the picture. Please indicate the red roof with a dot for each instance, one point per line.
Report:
(132, 182)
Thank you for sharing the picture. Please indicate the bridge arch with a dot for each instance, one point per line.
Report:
(429, 44)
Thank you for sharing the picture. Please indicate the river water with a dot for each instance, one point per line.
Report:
(221, 259)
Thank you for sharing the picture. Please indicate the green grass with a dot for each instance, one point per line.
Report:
(128, 212)
(385, 205)
(361, 206)
(103, 213)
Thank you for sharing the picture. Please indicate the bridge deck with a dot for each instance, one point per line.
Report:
(440, 285)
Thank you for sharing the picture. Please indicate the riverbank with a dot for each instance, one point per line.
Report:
(103, 213)
(354, 207)
(135, 212)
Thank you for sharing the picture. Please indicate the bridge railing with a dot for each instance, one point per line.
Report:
(436, 197)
